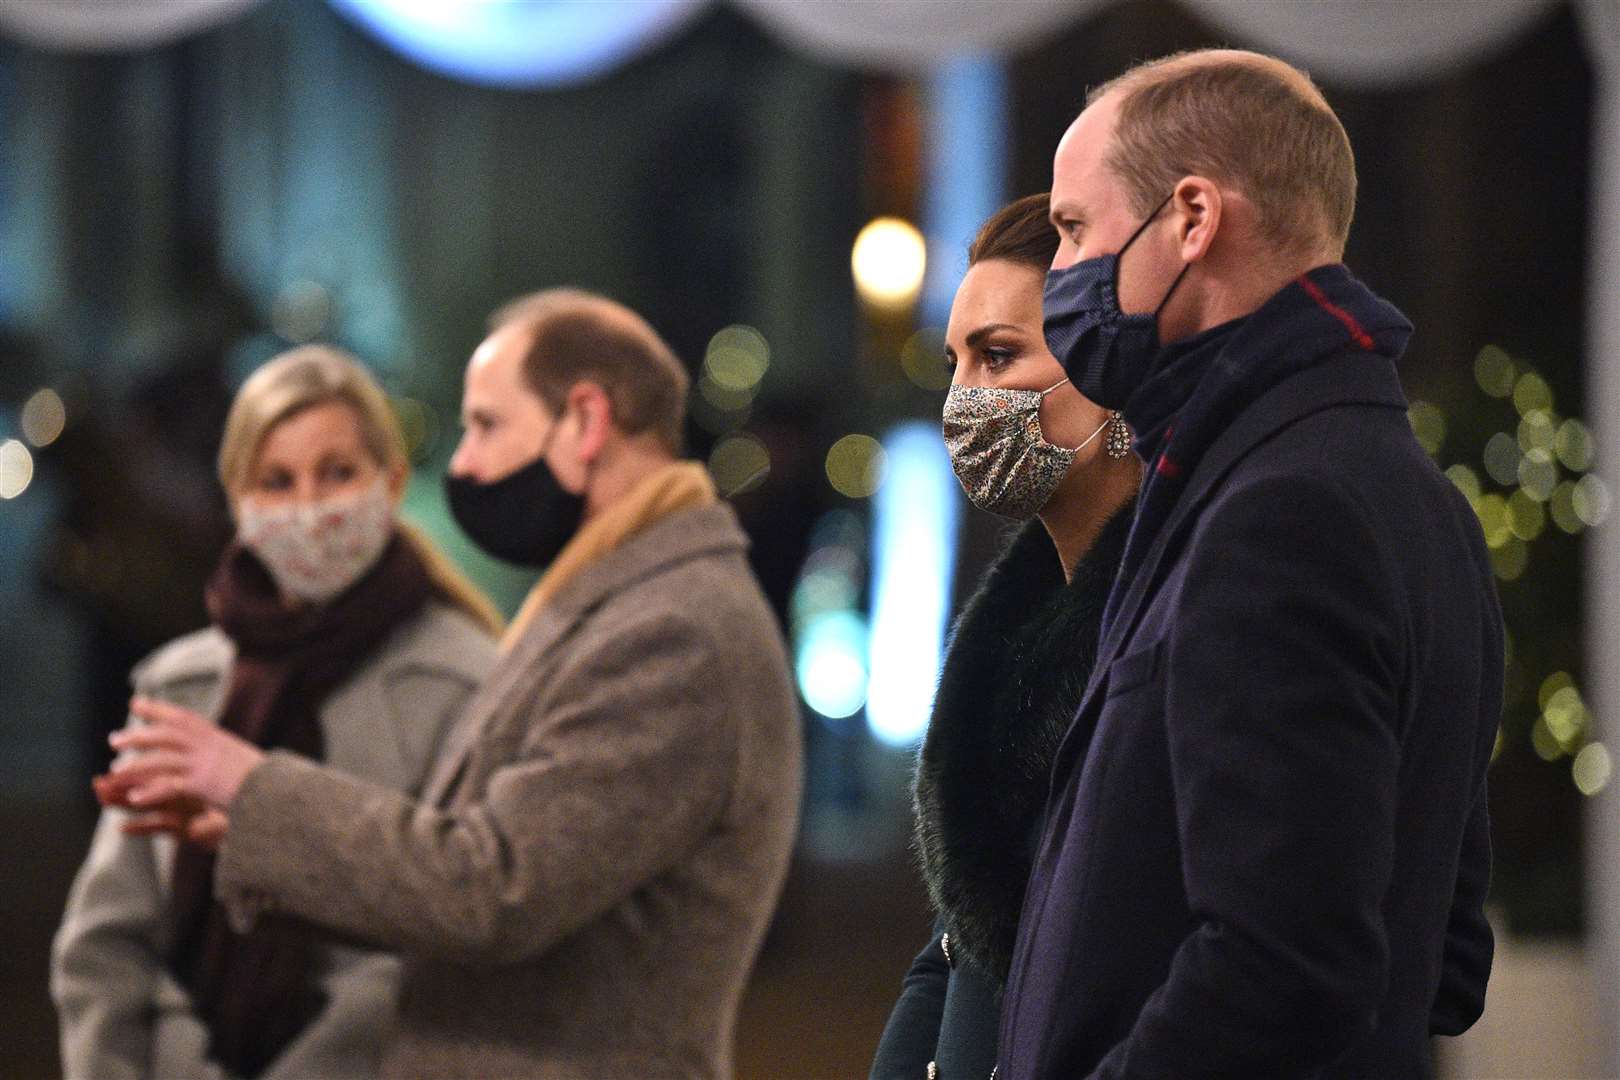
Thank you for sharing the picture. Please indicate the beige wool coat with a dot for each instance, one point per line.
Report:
(123, 1015)
(582, 889)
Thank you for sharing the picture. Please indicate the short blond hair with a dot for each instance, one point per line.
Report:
(578, 336)
(1246, 120)
(312, 375)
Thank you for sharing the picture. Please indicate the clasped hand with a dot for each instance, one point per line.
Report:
(178, 773)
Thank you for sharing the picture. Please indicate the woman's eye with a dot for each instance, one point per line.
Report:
(276, 481)
(999, 357)
(949, 363)
(340, 473)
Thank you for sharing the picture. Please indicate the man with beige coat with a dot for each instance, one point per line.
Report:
(584, 884)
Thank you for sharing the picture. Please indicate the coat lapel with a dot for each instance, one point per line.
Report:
(1356, 380)
(683, 535)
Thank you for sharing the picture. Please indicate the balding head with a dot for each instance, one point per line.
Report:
(568, 336)
(1247, 121)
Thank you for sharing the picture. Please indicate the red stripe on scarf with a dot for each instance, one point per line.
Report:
(1360, 336)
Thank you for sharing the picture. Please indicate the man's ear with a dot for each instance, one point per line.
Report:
(594, 409)
(1196, 205)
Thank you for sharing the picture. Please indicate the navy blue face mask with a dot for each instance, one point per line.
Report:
(1105, 352)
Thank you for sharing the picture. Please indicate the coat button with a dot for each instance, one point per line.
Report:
(933, 1071)
(945, 947)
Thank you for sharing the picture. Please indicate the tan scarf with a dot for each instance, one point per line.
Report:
(674, 487)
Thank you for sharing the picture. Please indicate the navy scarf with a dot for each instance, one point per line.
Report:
(1195, 388)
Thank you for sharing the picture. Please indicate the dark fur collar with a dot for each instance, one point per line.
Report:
(1018, 662)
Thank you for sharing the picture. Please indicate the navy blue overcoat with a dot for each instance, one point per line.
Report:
(1266, 849)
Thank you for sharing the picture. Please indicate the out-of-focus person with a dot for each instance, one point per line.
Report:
(1029, 447)
(339, 634)
(583, 886)
(1266, 850)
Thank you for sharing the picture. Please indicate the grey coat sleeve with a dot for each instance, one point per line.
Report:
(625, 761)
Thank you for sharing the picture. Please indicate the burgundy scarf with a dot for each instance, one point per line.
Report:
(257, 991)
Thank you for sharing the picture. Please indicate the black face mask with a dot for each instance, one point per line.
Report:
(525, 517)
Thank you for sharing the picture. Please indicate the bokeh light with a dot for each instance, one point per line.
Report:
(739, 463)
(1537, 431)
(1538, 476)
(1566, 717)
(1494, 371)
(1466, 479)
(302, 311)
(1429, 425)
(1526, 517)
(736, 359)
(1510, 559)
(1592, 769)
(1575, 446)
(855, 466)
(1590, 500)
(421, 426)
(1531, 393)
(1543, 742)
(1562, 508)
(1502, 458)
(16, 469)
(831, 667)
(43, 417)
(1493, 519)
(889, 260)
(923, 359)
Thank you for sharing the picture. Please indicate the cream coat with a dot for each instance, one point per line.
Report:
(583, 888)
(123, 1015)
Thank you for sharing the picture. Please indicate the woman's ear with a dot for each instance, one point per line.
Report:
(398, 475)
(1197, 205)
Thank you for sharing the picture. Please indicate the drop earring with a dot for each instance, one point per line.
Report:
(1117, 443)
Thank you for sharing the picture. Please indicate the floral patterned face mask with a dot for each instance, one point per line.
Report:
(1001, 457)
(314, 551)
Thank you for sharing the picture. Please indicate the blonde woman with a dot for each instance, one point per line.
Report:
(337, 632)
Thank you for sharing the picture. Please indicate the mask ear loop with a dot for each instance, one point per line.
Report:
(1090, 437)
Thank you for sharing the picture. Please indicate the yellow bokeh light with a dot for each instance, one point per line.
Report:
(855, 466)
(1553, 683)
(1428, 424)
(923, 359)
(721, 398)
(1590, 500)
(1565, 716)
(1494, 371)
(1537, 431)
(1531, 393)
(1493, 519)
(739, 463)
(16, 469)
(1562, 508)
(1525, 516)
(1592, 768)
(1466, 479)
(888, 261)
(1511, 559)
(1547, 747)
(1538, 476)
(736, 358)
(1575, 446)
(43, 417)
